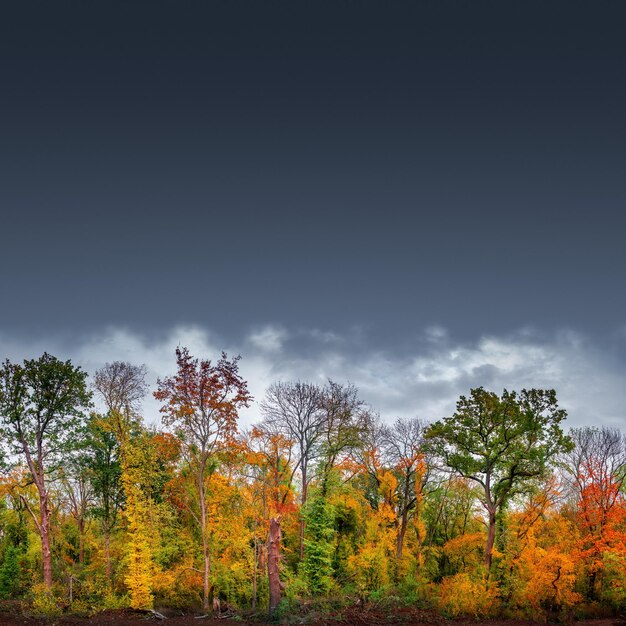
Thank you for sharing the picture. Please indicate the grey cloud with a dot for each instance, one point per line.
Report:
(427, 383)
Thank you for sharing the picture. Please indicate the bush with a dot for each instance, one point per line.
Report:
(45, 603)
(460, 595)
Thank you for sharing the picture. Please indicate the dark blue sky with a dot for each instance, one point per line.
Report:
(365, 168)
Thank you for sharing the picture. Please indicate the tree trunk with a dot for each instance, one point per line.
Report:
(81, 541)
(273, 563)
(304, 490)
(256, 564)
(107, 555)
(205, 546)
(401, 533)
(491, 537)
(44, 531)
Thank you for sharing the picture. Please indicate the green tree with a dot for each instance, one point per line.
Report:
(10, 572)
(42, 405)
(105, 471)
(319, 545)
(501, 443)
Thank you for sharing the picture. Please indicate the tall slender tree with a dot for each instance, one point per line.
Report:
(201, 402)
(121, 386)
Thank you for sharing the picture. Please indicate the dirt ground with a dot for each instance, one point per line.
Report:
(13, 615)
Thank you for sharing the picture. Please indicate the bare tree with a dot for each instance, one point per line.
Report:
(121, 386)
(597, 453)
(402, 445)
(343, 427)
(295, 410)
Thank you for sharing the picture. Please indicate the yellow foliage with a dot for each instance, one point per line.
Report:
(44, 603)
(137, 467)
(466, 551)
(461, 595)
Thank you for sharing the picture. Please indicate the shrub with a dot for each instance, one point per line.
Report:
(460, 595)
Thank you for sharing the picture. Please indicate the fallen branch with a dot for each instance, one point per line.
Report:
(153, 613)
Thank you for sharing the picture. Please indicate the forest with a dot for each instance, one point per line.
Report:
(499, 509)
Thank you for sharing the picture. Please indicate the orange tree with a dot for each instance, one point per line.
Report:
(269, 456)
(201, 402)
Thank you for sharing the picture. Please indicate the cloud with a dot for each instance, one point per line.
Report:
(268, 338)
(426, 382)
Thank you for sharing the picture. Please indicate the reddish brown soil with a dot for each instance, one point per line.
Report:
(13, 615)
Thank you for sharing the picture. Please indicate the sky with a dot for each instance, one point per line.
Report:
(418, 198)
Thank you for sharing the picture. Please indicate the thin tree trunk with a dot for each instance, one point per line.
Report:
(254, 576)
(273, 563)
(491, 537)
(304, 490)
(401, 534)
(44, 531)
(205, 547)
(107, 554)
(81, 541)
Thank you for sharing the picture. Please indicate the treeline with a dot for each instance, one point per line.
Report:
(492, 510)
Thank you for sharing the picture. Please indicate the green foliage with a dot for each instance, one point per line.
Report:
(501, 440)
(11, 573)
(140, 531)
(103, 464)
(501, 443)
(42, 405)
(319, 546)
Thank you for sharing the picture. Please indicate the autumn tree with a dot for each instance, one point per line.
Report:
(295, 411)
(42, 406)
(500, 443)
(597, 470)
(270, 453)
(121, 386)
(402, 444)
(201, 402)
(598, 453)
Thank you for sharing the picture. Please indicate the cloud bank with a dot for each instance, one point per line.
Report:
(423, 380)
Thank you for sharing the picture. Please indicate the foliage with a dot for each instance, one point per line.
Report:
(200, 516)
(462, 595)
(501, 443)
(319, 546)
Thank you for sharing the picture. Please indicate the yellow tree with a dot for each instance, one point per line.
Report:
(121, 386)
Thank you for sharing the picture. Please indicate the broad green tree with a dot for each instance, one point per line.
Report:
(42, 407)
(501, 443)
